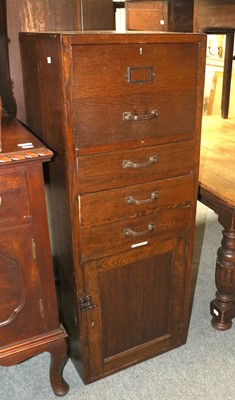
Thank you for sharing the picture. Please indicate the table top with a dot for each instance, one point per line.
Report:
(19, 144)
(217, 160)
(213, 14)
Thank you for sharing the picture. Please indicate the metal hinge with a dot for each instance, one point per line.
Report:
(87, 303)
(33, 249)
(41, 308)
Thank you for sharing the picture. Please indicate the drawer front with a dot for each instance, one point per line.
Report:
(134, 201)
(134, 92)
(13, 196)
(103, 240)
(131, 167)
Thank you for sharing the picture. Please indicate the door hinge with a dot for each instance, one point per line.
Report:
(41, 308)
(86, 303)
(33, 249)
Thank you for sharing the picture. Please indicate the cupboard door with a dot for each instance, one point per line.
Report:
(140, 304)
(21, 311)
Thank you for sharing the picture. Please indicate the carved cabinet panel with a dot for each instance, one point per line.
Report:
(19, 286)
(124, 119)
(28, 308)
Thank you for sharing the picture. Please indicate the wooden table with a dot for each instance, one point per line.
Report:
(217, 191)
(218, 17)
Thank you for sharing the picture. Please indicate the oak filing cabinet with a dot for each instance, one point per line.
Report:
(122, 112)
(29, 321)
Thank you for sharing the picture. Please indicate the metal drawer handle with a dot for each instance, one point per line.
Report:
(128, 116)
(132, 200)
(130, 232)
(129, 164)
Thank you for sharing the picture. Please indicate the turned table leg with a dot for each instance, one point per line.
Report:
(223, 306)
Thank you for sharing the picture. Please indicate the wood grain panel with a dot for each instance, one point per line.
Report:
(141, 314)
(105, 171)
(110, 239)
(14, 191)
(112, 205)
(167, 87)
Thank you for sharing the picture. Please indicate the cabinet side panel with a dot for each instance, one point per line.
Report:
(41, 236)
(32, 90)
(54, 123)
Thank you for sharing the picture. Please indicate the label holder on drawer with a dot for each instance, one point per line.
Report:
(140, 74)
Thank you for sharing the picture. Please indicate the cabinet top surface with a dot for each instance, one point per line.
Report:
(96, 37)
(19, 144)
(217, 158)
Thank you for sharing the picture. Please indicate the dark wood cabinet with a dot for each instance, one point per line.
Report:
(43, 15)
(5, 81)
(159, 15)
(122, 113)
(29, 321)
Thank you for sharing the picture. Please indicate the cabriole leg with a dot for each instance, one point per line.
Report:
(58, 360)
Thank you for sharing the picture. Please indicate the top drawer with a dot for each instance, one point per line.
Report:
(13, 196)
(129, 92)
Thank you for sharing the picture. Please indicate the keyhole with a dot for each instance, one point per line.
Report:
(140, 51)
